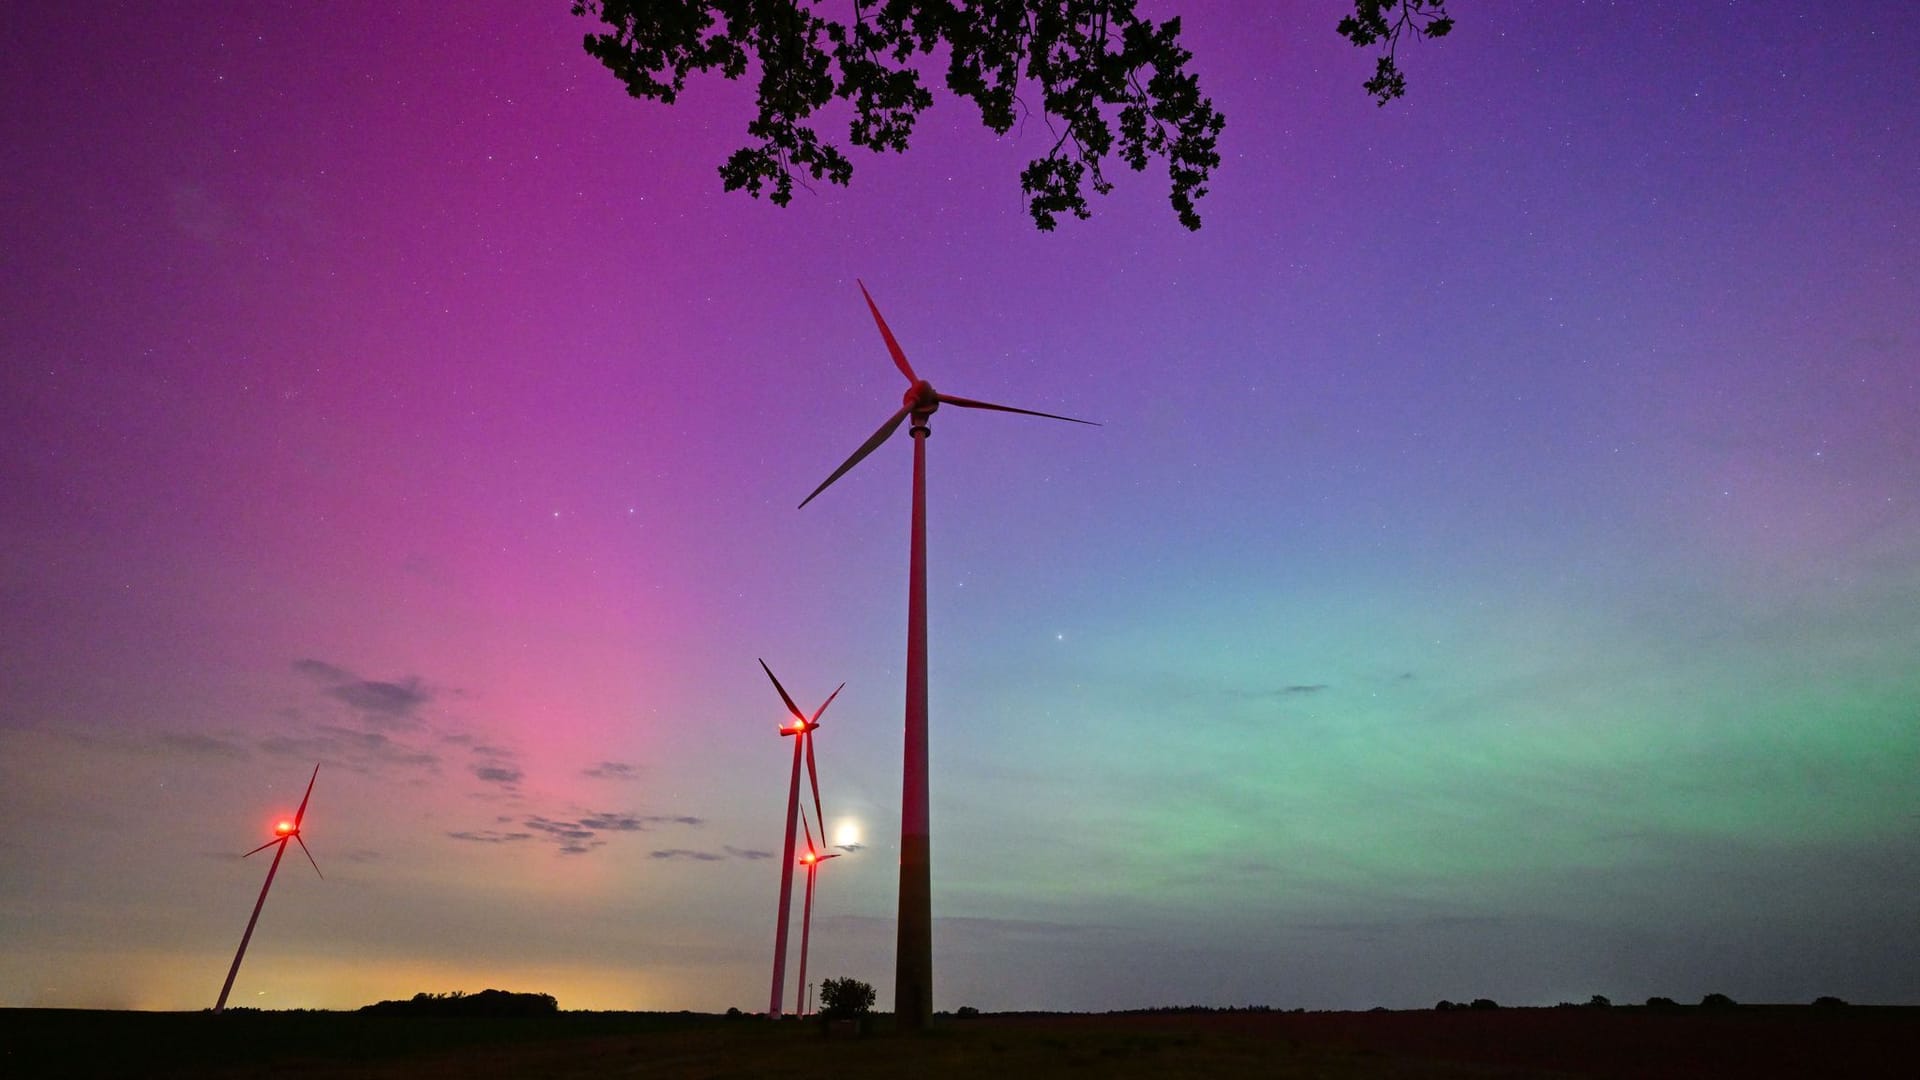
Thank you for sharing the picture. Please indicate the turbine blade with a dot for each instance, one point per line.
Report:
(899, 356)
(265, 846)
(813, 777)
(302, 812)
(829, 701)
(303, 847)
(969, 403)
(791, 707)
(835, 855)
(808, 829)
(866, 448)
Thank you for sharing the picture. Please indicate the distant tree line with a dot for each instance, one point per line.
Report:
(458, 1003)
(1601, 1001)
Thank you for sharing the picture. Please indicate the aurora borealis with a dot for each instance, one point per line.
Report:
(1498, 573)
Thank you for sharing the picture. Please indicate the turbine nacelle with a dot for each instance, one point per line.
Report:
(920, 399)
(798, 727)
(285, 828)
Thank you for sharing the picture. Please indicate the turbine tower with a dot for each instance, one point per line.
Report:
(913, 964)
(811, 860)
(801, 730)
(283, 832)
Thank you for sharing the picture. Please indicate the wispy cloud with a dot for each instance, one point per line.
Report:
(569, 831)
(389, 704)
(362, 750)
(489, 836)
(613, 770)
(394, 699)
(1304, 688)
(748, 853)
(686, 853)
(504, 775)
(323, 671)
(578, 835)
(637, 822)
(201, 745)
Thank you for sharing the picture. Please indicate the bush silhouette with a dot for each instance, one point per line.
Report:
(1716, 1001)
(459, 1003)
(966, 1010)
(845, 998)
(1599, 1001)
(1662, 1003)
(1828, 1001)
(1445, 1006)
(1485, 1003)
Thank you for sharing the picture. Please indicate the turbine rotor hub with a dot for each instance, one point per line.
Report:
(920, 398)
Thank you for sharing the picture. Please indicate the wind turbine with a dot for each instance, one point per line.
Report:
(913, 965)
(801, 730)
(283, 832)
(811, 860)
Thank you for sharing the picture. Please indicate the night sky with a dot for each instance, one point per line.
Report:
(1498, 573)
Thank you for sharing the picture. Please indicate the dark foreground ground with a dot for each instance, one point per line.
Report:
(1748, 1041)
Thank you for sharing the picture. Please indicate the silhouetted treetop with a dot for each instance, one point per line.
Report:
(1385, 23)
(845, 998)
(1105, 81)
(457, 1003)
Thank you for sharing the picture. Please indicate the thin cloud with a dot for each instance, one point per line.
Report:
(1304, 688)
(747, 853)
(360, 750)
(504, 775)
(396, 700)
(686, 853)
(613, 822)
(201, 745)
(613, 770)
(563, 830)
(489, 836)
(381, 703)
(610, 822)
(323, 671)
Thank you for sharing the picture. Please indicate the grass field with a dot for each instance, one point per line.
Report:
(1749, 1041)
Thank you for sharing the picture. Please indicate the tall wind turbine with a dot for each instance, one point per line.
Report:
(283, 832)
(811, 860)
(913, 964)
(801, 730)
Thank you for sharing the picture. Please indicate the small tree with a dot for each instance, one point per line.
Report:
(1599, 1001)
(844, 999)
(1716, 1001)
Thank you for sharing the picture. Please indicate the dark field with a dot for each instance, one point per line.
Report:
(1749, 1041)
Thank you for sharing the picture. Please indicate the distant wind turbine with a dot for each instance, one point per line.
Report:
(802, 732)
(913, 965)
(811, 860)
(283, 832)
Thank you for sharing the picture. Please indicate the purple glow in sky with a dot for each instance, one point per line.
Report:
(1498, 573)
